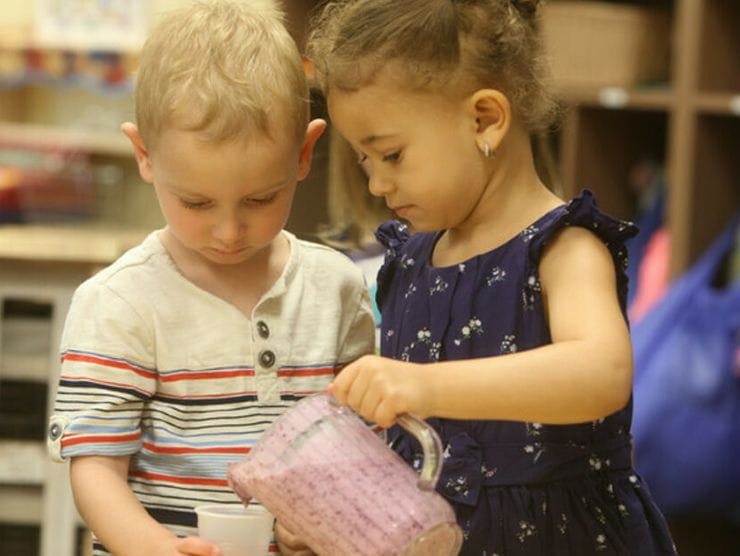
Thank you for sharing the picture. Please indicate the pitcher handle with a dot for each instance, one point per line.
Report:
(430, 444)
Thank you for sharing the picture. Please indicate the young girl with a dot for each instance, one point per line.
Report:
(503, 315)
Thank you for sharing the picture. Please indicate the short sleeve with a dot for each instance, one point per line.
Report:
(583, 211)
(360, 336)
(107, 373)
(393, 235)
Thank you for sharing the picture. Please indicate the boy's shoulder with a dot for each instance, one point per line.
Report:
(322, 260)
(134, 267)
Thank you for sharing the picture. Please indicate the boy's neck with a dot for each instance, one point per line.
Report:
(242, 284)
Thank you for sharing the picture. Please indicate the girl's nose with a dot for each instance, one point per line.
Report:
(379, 185)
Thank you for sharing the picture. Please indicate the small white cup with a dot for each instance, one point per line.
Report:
(237, 530)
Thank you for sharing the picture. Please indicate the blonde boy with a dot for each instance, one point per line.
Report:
(177, 356)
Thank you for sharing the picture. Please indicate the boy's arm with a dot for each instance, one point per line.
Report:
(114, 514)
(585, 374)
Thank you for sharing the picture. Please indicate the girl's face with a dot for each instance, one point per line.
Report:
(418, 149)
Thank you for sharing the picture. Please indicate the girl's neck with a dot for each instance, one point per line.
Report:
(514, 198)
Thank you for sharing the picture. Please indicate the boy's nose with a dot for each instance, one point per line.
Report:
(228, 229)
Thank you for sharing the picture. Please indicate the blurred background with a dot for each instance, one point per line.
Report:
(651, 124)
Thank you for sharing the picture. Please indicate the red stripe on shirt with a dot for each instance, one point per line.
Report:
(108, 363)
(73, 440)
(203, 481)
(191, 375)
(306, 372)
(187, 450)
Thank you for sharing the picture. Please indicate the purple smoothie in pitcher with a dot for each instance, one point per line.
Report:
(324, 475)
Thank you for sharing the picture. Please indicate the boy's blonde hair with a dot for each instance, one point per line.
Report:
(223, 69)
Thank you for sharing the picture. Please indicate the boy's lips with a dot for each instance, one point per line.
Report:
(228, 251)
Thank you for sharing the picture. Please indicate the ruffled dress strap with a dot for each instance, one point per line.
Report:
(393, 236)
(583, 211)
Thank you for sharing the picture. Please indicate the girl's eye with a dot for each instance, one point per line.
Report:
(392, 157)
(193, 204)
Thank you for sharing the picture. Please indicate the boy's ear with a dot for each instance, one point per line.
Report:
(314, 130)
(492, 112)
(142, 155)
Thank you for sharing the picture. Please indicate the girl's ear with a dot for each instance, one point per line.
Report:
(142, 155)
(314, 130)
(492, 113)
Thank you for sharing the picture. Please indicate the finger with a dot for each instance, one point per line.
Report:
(386, 414)
(343, 382)
(358, 388)
(368, 407)
(286, 538)
(197, 546)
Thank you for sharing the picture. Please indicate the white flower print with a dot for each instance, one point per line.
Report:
(486, 472)
(601, 542)
(563, 525)
(530, 293)
(535, 448)
(434, 351)
(411, 289)
(407, 262)
(533, 429)
(529, 232)
(474, 326)
(526, 529)
(497, 275)
(461, 267)
(439, 286)
(508, 344)
(459, 485)
(423, 336)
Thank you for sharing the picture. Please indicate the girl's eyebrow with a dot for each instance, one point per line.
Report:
(370, 139)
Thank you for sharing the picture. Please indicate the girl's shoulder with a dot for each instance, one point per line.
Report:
(582, 211)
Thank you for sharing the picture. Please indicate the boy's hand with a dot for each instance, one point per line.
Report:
(289, 544)
(195, 546)
(380, 389)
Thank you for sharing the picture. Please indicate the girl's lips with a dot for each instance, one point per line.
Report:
(400, 211)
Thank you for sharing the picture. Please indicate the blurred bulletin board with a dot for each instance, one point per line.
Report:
(91, 24)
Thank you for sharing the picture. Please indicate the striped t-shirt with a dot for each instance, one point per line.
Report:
(154, 367)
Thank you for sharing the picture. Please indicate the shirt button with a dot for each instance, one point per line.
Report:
(267, 358)
(263, 330)
(55, 431)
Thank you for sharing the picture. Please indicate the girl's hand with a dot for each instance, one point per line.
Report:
(195, 546)
(380, 389)
(289, 544)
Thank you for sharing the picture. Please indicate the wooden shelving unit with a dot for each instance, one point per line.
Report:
(691, 125)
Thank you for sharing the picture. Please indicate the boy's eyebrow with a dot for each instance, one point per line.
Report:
(261, 191)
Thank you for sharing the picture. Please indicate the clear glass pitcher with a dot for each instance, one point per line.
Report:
(327, 477)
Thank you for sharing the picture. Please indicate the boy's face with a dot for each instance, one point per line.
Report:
(225, 202)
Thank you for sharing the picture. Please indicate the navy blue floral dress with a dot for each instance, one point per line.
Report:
(517, 488)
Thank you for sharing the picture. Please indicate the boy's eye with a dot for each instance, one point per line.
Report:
(193, 204)
(392, 156)
(262, 201)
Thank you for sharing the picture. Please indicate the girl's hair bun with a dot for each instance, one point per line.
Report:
(528, 8)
